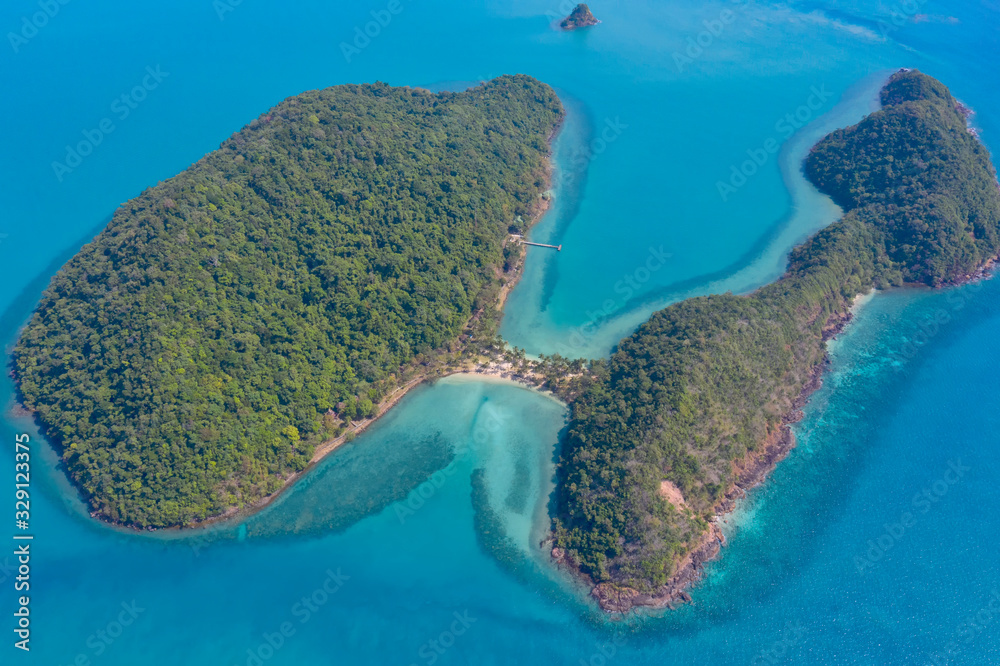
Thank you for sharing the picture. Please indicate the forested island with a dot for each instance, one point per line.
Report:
(695, 405)
(227, 321)
(352, 241)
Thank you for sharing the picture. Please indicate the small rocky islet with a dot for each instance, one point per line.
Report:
(580, 17)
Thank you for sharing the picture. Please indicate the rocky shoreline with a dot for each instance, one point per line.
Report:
(580, 17)
(751, 471)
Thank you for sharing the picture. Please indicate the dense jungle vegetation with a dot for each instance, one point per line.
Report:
(229, 319)
(699, 388)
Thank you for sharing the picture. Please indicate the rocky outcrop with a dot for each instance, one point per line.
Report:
(620, 599)
(580, 17)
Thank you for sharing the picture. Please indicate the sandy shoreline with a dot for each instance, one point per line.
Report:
(487, 368)
(490, 369)
(753, 470)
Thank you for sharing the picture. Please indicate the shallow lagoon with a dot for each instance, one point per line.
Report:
(472, 460)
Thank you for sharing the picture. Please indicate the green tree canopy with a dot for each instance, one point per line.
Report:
(704, 383)
(186, 359)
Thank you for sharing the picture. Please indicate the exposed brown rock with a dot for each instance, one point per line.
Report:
(580, 17)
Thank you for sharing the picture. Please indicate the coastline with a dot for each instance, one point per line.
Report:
(488, 368)
(777, 439)
(752, 471)
(491, 370)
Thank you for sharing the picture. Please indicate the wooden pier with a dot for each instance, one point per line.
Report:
(557, 248)
(519, 239)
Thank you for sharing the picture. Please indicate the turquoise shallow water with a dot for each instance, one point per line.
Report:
(417, 544)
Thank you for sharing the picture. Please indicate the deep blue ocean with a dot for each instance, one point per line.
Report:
(874, 542)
